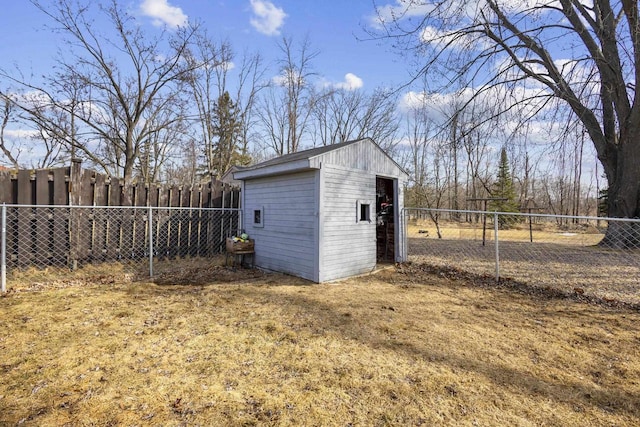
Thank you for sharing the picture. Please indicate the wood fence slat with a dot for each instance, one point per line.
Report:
(6, 193)
(60, 215)
(152, 199)
(100, 190)
(193, 221)
(210, 229)
(185, 221)
(100, 218)
(24, 187)
(162, 222)
(43, 219)
(61, 186)
(114, 220)
(42, 187)
(126, 231)
(25, 238)
(138, 232)
(85, 219)
(196, 230)
(152, 195)
(216, 194)
(173, 233)
(75, 199)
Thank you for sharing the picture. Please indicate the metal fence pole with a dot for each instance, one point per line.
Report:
(150, 222)
(497, 245)
(3, 272)
(405, 231)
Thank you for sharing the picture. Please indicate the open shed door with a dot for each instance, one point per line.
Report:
(385, 221)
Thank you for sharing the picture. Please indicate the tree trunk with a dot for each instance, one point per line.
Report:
(624, 195)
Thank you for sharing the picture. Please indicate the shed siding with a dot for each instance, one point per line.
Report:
(349, 246)
(288, 240)
(363, 155)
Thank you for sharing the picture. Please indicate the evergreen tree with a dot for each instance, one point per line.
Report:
(504, 192)
(224, 150)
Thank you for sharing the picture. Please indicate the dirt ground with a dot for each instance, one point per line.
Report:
(410, 345)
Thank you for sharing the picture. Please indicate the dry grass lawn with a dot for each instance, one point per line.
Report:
(564, 260)
(402, 347)
(541, 233)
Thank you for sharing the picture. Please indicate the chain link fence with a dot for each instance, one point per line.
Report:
(596, 256)
(72, 237)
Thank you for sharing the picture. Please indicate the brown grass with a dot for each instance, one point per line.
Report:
(565, 259)
(540, 233)
(397, 348)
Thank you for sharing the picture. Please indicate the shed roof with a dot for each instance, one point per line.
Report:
(307, 159)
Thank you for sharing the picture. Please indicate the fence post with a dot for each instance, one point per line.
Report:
(3, 272)
(75, 191)
(150, 222)
(497, 245)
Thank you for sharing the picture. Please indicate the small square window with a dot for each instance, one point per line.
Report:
(258, 217)
(365, 212)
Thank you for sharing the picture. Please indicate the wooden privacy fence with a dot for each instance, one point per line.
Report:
(68, 216)
(84, 187)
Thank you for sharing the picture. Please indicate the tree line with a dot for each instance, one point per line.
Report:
(181, 106)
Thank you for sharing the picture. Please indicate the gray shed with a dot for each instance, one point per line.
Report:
(326, 213)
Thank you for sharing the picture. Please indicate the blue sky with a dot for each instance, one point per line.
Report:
(333, 28)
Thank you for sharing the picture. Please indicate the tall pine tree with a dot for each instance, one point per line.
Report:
(224, 150)
(504, 192)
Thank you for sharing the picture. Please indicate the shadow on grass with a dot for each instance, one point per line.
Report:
(263, 289)
(330, 318)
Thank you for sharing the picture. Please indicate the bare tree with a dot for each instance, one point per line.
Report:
(10, 152)
(476, 149)
(32, 144)
(419, 132)
(168, 142)
(510, 49)
(289, 101)
(427, 163)
(250, 83)
(342, 115)
(223, 120)
(127, 77)
(182, 168)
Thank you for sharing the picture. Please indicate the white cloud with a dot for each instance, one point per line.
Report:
(288, 77)
(351, 82)
(227, 66)
(20, 133)
(451, 40)
(163, 13)
(399, 10)
(437, 105)
(268, 18)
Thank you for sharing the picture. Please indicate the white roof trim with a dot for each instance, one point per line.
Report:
(278, 169)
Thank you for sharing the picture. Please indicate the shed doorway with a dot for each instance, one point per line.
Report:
(385, 221)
